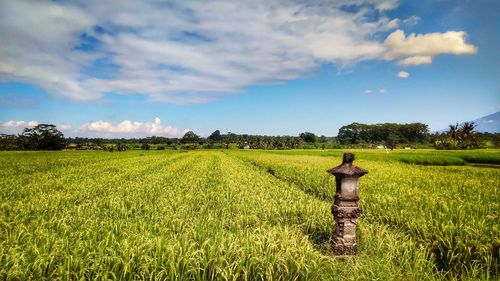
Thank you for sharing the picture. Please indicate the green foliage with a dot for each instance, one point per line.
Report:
(190, 137)
(458, 137)
(9, 142)
(309, 137)
(483, 158)
(120, 147)
(389, 133)
(215, 136)
(190, 146)
(432, 160)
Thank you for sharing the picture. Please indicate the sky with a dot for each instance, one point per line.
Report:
(141, 68)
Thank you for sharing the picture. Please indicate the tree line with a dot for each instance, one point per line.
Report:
(216, 140)
(388, 134)
(355, 135)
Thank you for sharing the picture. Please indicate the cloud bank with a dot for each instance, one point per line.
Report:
(15, 126)
(197, 51)
(103, 129)
(128, 128)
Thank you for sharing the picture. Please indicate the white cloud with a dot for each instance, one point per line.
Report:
(128, 128)
(382, 91)
(180, 51)
(196, 51)
(403, 74)
(15, 126)
(368, 92)
(100, 128)
(416, 49)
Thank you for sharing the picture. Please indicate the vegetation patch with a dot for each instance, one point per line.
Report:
(483, 158)
(432, 160)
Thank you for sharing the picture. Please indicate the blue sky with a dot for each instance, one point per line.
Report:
(257, 67)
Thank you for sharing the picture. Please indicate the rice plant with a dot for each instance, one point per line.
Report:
(211, 215)
(451, 211)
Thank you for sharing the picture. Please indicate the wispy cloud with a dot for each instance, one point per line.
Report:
(179, 51)
(192, 51)
(381, 91)
(369, 92)
(411, 21)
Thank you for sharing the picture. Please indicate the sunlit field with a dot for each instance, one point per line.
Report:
(246, 215)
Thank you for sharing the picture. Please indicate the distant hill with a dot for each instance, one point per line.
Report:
(489, 123)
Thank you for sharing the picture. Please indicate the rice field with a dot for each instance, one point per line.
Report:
(245, 215)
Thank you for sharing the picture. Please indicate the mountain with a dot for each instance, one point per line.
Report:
(489, 123)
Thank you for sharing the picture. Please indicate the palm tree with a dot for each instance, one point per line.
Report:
(466, 135)
(453, 131)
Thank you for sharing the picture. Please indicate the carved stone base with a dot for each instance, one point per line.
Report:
(339, 249)
(343, 241)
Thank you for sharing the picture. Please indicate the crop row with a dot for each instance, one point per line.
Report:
(207, 215)
(194, 216)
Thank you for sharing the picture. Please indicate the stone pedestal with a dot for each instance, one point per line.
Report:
(345, 208)
(345, 213)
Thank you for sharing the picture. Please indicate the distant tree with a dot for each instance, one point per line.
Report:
(215, 136)
(466, 136)
(391, 140)
(42, 137)
(308, 137)
(145, 146)
(452, 132)
(190, 137)
(121, 146)
(349, 134)
(9, 142)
